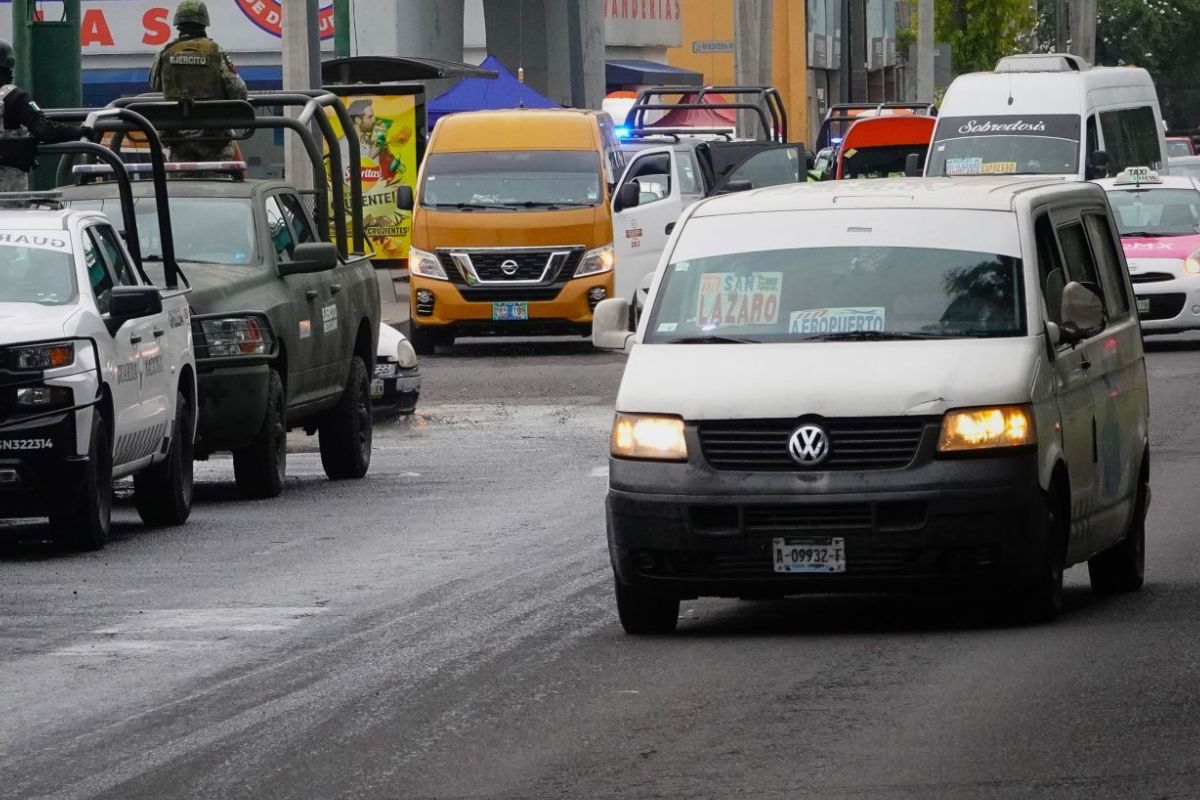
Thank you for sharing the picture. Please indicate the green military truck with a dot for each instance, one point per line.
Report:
(285, 323)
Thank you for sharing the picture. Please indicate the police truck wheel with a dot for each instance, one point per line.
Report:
(163, 493)
(87, 520)
(346, 432)
(260, 468)
(645, 613)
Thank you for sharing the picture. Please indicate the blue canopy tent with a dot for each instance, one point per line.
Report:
(476, 94)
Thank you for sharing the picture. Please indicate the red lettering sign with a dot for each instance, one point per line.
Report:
(158, 29)
(95, 29)
(268, 15)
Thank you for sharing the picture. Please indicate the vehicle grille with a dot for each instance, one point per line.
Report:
(1164, 306)
(811, 517)
(1151, 277)
(500, 287)
(854, 443)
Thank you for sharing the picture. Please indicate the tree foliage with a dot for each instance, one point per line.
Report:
(981, 32)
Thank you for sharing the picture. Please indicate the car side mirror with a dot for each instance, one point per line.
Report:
(628, 196)
(913, 166)
(127, 303)
(610, 325)
(1082, 312)
(310, 257)
(404, 198)
(1098, 164)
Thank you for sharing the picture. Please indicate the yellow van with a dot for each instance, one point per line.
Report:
(512, 225)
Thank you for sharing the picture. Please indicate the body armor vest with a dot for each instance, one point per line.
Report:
(191, 70)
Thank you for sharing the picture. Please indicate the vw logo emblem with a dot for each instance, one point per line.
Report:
(809, 445)
(509, 267)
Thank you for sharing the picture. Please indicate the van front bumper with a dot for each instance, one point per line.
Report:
(568, 312)
(943, 524)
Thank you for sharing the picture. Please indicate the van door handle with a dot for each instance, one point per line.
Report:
(135, 339)
(159, 332)
(311, 294)
(334, 288)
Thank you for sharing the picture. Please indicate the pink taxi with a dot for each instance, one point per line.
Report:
(1159, 220)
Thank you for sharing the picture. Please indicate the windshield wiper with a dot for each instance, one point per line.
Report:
(710, 339)
(554, 205)
(875, 336)
(475, 206)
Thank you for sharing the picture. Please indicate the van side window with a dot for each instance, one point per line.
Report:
(1050, 269)
(1109, 262)
(1093, 141)
(1080, 264)
(1131, 138)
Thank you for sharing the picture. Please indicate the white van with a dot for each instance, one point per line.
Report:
(874, 385)
(1048, 115)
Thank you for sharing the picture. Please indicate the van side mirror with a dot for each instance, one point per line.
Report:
(610, 325)
(913, 168)
(1082, 312)
(127, 303)
(404, 198)
(310, 257)
(628, 196)
(1097, 165)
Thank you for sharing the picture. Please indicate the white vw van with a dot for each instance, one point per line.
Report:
(870, 385)
(1049, 114)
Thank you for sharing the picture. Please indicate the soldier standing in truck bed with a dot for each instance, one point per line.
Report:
(24, 126)
(194, 67)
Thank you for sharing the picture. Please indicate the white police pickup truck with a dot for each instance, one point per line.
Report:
(97, 375)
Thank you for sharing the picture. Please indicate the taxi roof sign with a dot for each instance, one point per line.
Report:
(1136, 176)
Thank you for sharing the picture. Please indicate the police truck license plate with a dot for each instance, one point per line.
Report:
(507, 312)
(821, 554)
(1143, 305)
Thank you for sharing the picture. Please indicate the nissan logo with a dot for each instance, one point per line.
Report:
(509, 267)
(809, 445)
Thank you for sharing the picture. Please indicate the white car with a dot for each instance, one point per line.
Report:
(1159, 221)
(97, 375)
(397, 382)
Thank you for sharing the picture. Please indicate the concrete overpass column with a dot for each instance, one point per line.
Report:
(562, 49)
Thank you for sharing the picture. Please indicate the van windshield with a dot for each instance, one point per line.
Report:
(839, 293)
(36, 267)
(1156, 212)
(1040, 144)
(512, 180)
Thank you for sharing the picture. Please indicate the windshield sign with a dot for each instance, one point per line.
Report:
(1045, 144)
(832, 293)
(1156, 212)
(512, 180)
(36, 267)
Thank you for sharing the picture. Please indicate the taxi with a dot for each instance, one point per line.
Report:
(1159, 221)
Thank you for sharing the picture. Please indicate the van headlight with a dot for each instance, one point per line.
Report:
(975, 429)
(426, 265)
(602, 259)
(648, 436)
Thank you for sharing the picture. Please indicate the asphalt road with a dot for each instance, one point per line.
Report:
(445, 629)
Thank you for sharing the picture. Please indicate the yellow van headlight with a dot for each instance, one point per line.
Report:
(976, 429)
(602, 259)
(648, 436)
(425, 264)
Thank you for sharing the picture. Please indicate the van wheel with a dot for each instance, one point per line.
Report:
(1037, 596)
(423, 340)
(261, 467)
(163, 493)
(346, 431)
(1122, 568)
(87, 520)
(645, 613)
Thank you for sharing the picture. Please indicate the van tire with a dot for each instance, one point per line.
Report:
(1122, 567)
(645, 613)
(423, 340)
(87, 520)
(260, 468)
(1037, 596)
(163, 493)
(346, 432)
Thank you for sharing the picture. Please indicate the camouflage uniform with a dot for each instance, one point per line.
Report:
(194, 67)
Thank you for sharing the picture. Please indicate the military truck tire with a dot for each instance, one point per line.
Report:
(423, 340)
(87, 520)
(163, 493)
(261, 467)
(346, 431)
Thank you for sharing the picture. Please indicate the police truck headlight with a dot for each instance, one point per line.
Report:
(426, 265)
(602, 259)
(975, 429)
(648, 436)
(234, 336)
(43, 356)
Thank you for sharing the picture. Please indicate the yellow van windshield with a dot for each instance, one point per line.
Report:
(512, 180)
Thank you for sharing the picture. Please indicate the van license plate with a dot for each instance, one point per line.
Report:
(821, 554)
(508, 312)
(1143, 305)
(376, 389)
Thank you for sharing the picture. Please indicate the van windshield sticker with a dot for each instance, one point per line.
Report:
(57, 241)
(977, 166)
(727, 298)
(837, 320)
(668, 327)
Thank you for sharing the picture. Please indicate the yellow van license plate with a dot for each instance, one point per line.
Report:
(820, 554)
(508, 312)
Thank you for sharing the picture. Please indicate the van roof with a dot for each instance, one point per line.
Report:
(974, 194)
(1062, 92)
(517, 129)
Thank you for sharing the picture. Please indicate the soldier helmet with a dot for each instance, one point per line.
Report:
(8, 56)
(191, 12)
